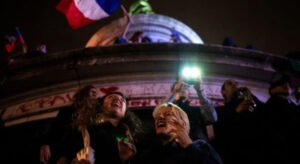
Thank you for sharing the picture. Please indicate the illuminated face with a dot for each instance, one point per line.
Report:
(114, 105)
(164, 121)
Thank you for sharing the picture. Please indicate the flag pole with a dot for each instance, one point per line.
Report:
(21, 40)
(126, 15)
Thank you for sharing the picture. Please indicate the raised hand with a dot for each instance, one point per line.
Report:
(180, 133)
(86, 155)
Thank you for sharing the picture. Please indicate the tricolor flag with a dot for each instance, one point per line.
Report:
(83, 12)
(21, 40)
(108, 34)
(15, 39)
(19, 36)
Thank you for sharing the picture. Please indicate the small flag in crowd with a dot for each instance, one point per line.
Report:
(19, 36)
(15, 39)
(10, 42)
(21, 40)
(83, 12)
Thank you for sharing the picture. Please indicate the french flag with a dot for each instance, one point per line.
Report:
(20, 36)
(83, 12)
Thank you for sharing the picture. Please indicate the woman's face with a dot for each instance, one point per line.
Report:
(114, 105)
(165, 119)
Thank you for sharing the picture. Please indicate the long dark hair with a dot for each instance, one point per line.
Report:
(134, 124)
(85, 108)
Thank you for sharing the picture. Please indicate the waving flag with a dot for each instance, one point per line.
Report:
(15, 39)
(108, 34)
(21, 40)
(19, 36)
(83, 12)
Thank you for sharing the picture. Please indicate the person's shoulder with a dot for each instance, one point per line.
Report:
(101, 126)
(200, 142)
(208, 151)
(203, 145)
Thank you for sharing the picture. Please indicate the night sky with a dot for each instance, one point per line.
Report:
(271, 25)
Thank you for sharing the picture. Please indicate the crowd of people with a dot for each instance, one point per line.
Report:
(244, 130)
(141, 37)
(251, 131)
(229, 42)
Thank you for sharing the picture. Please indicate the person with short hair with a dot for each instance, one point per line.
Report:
(174, 143)
(238, 130)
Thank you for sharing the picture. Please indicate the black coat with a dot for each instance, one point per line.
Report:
(199, 152)
(197, 124)
(282, 124)
(239, 135)
(104, 140)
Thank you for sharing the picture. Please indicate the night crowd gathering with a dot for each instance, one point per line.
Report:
(98, 129)
(244, 130)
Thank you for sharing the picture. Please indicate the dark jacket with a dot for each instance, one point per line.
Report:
(197, 123)
(104, 140)
(238, 135)
(199, 152)
(59, 133)
(282, 123)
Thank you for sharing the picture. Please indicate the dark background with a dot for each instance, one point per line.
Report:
(271, 25)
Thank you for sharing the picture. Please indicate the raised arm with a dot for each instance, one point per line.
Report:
(207, 109)
(177, 87)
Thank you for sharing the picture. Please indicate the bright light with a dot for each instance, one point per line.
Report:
(191, 73)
